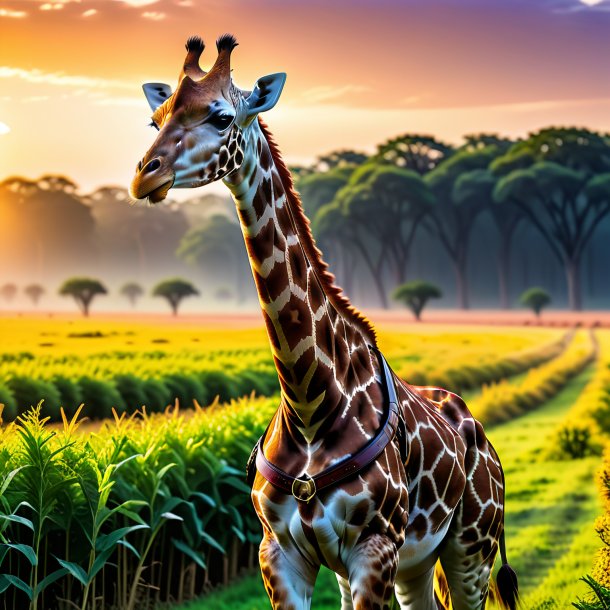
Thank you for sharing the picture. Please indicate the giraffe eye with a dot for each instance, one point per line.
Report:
(221, 120)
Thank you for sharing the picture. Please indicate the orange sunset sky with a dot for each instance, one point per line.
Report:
(359, 71)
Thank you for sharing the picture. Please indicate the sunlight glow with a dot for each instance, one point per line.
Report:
(591, 2)
(4, 128)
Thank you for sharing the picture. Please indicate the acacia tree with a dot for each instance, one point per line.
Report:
(387, 203)
(455, 209)
(478, 186)
(83, 290)
(419, 153)
(566, 207)
(174, 291)
(8, 292)
(415, 295)
(132, 291)
(217, 245)
(34, 292)
(536, 299)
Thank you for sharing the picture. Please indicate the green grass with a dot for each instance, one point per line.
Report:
(551, 508)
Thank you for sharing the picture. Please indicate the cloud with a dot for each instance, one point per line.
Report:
(138, 2)
(51, 6)
(324, 93)
(7, 12)
(153, 15)
(62, 80)
(89, 13)
(4, 128)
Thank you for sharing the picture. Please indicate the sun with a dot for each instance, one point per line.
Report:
(4, 128)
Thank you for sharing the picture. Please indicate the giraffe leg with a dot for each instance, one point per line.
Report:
(372, 571)
(467, 572)
(346, 593)
(288, 580)
(416, 593)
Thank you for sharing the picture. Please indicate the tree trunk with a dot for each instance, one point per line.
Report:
(375, 274)
(461, 282)
(504, 273)
(572, 268)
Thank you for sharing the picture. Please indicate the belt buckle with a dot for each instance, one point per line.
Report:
(304, 489)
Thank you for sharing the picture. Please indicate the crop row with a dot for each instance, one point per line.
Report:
(505, 400)
(153, 507)
(486, 367)
(126, 381)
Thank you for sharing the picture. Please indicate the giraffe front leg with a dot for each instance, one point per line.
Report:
(372, 571)
(289, 580)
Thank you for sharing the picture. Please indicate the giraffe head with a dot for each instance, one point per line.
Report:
(201, 124)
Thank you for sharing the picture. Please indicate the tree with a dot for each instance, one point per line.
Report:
(83, 290)
(132, 291)
(34, 292)
(456, 209)
(387, 203)
(318, 189)
(174, 290)
(477, 186)
(416, 294)
(217, 246)
(419, 153)
(8, 292)
(536, 299)
(565, 206)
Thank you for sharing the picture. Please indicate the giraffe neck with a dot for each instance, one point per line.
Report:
(319, 342)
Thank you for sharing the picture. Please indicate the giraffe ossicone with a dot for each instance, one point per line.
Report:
(383, 530)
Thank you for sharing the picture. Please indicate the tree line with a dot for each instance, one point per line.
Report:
(372, 210)
(84, 290)
(484, 220)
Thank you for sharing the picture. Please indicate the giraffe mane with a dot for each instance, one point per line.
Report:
(334, 293)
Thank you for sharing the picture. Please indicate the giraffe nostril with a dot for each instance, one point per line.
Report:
(151, 166)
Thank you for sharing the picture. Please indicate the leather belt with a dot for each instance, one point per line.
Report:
(304, 489)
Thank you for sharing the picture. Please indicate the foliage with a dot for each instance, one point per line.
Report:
(83, 290)
(419, 153)
(34, 292)
(174, 290)
(599, 582)
(536, 299)
(8, 291)
(416, 294)
(559, 179)
(89, 517)
(132, 291)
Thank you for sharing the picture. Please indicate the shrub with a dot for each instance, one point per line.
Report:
(185, 388)
(69, 393)
(221, 384)
(10, 406)
(29, 392)
(131, 389)
(99, 397)
(157, 395)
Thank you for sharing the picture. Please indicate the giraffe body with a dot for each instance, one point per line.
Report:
(385, 528)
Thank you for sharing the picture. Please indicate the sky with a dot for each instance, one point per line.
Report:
(359, 72)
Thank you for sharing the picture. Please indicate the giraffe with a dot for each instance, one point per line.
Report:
(435, 497)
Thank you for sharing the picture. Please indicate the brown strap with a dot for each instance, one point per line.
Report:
(305, 489)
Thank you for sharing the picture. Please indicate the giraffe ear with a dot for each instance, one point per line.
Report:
(156, 93)
(266, 93)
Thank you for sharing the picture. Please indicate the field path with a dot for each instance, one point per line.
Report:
(549, 503)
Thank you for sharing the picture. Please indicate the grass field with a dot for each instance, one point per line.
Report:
(551, 504)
